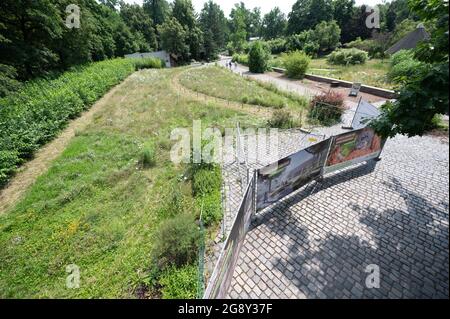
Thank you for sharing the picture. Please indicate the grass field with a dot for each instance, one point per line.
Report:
(97, 206)
(219, 82)
(373, 72)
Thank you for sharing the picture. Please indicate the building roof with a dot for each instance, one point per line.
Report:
(410, 41)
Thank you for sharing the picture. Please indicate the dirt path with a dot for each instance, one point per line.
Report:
(30, 171)
(260, 111)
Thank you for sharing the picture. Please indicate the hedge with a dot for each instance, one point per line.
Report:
(36, 113)
(347, 56)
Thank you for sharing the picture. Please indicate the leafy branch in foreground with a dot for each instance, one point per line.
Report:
(425, 95)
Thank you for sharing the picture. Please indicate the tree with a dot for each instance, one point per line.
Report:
(402, 29)
(174, 39)
(112, 4)
(158, 10)
(30, 29)
(8, 82)
(258, 58)
(35, 40)
(356, 27)
(140, 24)
(251, 20)
(327, 35)
(306, 14)
(214, 27)
(274, 24)
(238, 35)
(343, 11)
(425, 94)
(124, 39)
(183, 12)
(255, 23)
(323, 38)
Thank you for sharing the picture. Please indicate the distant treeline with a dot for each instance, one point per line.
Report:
(35, 41)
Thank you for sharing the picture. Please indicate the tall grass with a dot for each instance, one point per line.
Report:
(41, 108)
(219, 82)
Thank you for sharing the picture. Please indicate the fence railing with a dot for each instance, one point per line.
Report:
(201, 258)
(241, 158)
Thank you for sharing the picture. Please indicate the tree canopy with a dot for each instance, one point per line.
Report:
(424, 94)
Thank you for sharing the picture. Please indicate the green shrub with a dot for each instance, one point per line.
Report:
(176, 242)
(205, 181)
(347, 56)
(296, 64)
(149, 63)
(374, 48)
(179, 283)
(311, 48)
(403, 66)
(297, 42)
(172, 201)
(9, 160)
(327, 108)
(148, 155)
(281, 119)
(8, 82)
(35, 114)
(212, 208)
(240, 58)
(276, 46)
(258, 58)
(401, 56)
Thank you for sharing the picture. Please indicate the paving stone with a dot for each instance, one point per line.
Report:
(317, 245)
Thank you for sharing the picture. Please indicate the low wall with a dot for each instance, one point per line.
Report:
(387, 94)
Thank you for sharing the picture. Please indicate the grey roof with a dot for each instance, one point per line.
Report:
(410, 41)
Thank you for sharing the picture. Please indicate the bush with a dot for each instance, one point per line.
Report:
(276, 46)
(36, 113)
(375, 49)
(148, 156)
(9, 160)
(347, 56)
(206, 187)
(327, 109)
(311, 48)
(8, 82)
(149, 63)
(403, 66)
(212, 208)
(281, 119)
(258, 58)
(296, 64)
(297, 42)
(176, 242)
(179, 283)
(205, 181)
(401, 56)
(240, 58)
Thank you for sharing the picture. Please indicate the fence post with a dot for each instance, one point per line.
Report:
(201, 261)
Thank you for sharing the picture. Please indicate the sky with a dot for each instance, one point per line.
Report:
(265, 5)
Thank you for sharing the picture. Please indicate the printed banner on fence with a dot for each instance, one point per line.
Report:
(289, 174)
(352, 148)
(364, 114)
(220, 280)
